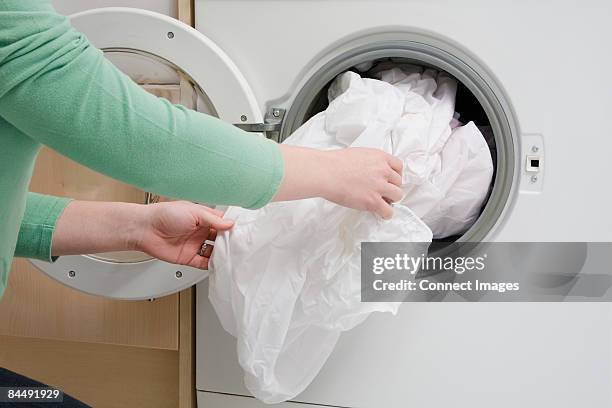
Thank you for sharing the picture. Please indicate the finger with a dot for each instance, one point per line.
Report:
(396, 164)
(384, 209)
(392, 193)
(395, 178)
(214, 211)
(205, 217)
(212, 234)
(200, 262)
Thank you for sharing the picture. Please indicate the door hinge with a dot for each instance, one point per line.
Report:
(271, 127)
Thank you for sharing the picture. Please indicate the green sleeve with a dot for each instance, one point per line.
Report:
(60, 91)
(38, 225)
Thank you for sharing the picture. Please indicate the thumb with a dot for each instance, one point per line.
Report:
(213, 220)
(213, 211)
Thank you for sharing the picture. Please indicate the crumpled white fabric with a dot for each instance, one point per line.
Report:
(286, 280)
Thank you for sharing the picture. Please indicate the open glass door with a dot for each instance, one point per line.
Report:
(170, 60)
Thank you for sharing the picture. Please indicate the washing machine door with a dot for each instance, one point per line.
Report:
(170, 59)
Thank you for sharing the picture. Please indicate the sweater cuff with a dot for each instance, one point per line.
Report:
(38, 225)
(275, 175)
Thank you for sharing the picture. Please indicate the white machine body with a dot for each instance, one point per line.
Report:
(551, 60)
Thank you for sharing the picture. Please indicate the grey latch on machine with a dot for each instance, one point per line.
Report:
(273, 120)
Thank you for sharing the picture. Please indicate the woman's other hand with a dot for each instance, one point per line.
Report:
(175, 231)
(359, 178)
(171, 231)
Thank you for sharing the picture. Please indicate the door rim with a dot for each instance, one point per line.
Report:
(233, 100)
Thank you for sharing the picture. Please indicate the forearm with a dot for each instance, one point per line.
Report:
(87, 227)
(307, 173)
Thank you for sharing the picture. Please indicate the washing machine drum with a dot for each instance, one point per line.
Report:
(174, 61)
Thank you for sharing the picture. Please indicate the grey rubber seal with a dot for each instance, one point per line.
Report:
(431, 51)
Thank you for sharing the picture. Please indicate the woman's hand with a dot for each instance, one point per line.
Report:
(359, 178)
(175, 231)
(171, 231)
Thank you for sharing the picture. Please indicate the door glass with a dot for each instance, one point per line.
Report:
(58, 175)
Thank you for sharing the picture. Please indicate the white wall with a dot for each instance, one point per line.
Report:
(168, 7)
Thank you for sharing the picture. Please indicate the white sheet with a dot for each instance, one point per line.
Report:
(285, 280)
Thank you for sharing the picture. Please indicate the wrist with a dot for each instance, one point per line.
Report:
(135, 225)
(324, 174)
(307, 173)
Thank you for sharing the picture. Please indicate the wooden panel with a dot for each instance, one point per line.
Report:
(35, 305)
(99, 375)
(57, 175)
(186, 12)
(187, 387)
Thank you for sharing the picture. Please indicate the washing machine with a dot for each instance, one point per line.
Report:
(534, 74)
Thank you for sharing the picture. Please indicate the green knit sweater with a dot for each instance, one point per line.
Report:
(58, 90)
